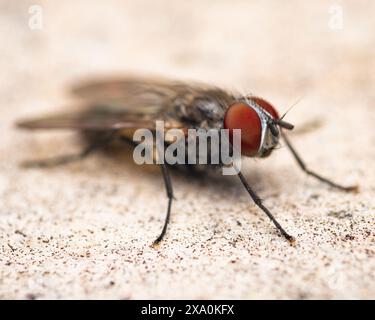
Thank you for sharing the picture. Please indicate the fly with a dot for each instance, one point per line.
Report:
(115, 108)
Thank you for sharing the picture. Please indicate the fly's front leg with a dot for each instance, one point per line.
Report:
(313, 174)
(61, 160)
(259, 203)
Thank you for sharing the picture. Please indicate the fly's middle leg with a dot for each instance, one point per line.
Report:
(169, 190)
(168, 186)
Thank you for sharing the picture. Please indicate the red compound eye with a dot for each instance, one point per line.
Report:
(241, 116)
(266, 106)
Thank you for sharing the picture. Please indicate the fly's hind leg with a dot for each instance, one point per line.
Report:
(65, 159)
(313, 174)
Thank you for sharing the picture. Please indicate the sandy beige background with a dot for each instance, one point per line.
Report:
(84, 230)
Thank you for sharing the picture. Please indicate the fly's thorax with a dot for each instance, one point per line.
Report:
(204, 109)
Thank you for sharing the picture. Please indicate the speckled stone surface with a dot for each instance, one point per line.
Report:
(84, 230)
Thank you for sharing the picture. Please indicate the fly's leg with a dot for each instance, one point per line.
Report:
(168, 187)
(311, 173)
(57, 161)
(259, 203)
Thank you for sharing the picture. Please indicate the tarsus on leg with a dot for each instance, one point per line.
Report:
(302, 165)
(259, 203)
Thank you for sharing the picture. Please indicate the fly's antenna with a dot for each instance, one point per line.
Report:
(284, 124)
(292, 106)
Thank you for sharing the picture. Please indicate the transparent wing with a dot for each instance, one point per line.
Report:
(136, 95)
(94, 119)
(117, 104)
(130, 102)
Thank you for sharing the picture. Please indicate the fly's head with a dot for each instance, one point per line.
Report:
(259, 123)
